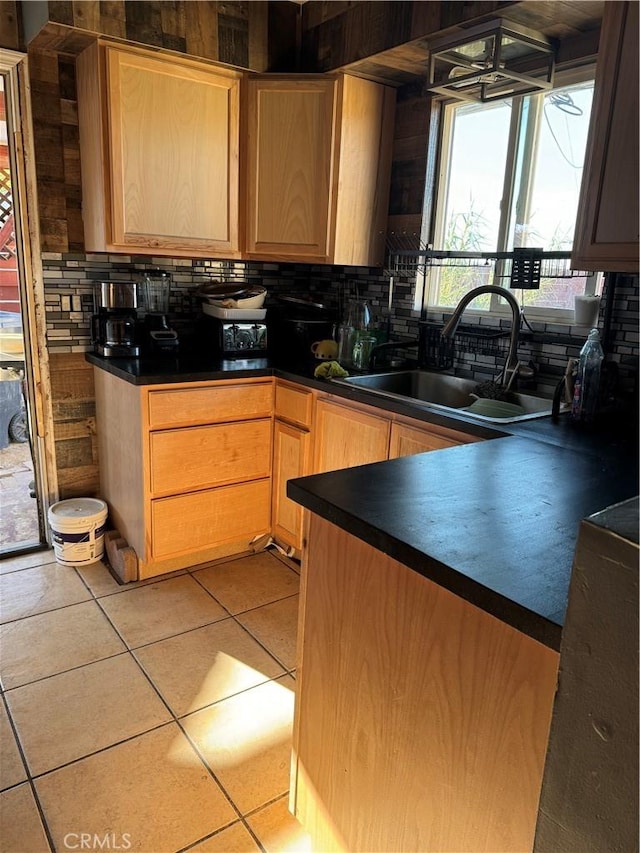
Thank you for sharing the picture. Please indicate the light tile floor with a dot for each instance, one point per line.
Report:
(147, 717)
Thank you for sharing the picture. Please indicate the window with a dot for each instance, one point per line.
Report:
(510, 177)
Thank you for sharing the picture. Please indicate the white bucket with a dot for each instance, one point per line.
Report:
(77, 530)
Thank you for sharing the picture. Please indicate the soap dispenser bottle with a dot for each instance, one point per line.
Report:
(587, 385)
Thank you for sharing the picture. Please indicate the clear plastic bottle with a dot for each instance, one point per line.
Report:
(587, 385)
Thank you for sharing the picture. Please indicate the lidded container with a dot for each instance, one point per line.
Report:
(77, 530)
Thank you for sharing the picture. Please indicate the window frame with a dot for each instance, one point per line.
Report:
(436, 205)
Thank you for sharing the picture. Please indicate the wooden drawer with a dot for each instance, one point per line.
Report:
(199, 457)
(209, 404)
(193, 522)
(294, 404)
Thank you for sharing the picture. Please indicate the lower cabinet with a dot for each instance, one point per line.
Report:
(292, 457)
(407, 439)
(196, 471)
(185, 470)
(346, 436)
(421, 722)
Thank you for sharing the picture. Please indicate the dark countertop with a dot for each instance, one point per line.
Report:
(495, 522)
(160, 370)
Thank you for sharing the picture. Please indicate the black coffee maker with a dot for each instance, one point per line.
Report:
(114, 328)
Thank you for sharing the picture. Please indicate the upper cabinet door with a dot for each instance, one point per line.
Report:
(318, 168)
(160, 157)
(606, 236)
(290, 165)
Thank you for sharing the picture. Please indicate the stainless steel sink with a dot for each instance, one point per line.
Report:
(443, 392)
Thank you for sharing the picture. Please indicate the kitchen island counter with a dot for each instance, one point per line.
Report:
(494, 522)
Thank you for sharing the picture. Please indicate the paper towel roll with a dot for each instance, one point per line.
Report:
(585, 310)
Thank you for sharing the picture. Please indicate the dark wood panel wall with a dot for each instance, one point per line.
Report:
(232, 32)
(389, 41)
(413, 124)
(338, 34)
(9, 26)
(74, 424)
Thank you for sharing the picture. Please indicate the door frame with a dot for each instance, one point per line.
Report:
(14, 68)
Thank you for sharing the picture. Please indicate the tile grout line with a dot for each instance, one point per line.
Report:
(245, 628)
(44, 612)
(176, 720)
(211, 835)
(63, 671)
(173, 717)
(29, 779)
(216, 780)
(102, 749)
(11, 556)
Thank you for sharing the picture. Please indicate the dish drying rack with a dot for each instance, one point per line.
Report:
(439, 353)
(523, 267)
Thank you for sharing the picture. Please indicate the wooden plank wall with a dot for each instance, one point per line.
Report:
(409, 164)
(74, 410)
(9, 26)
(389, 41)
(336, 34)
(254, 35)
(57, 150)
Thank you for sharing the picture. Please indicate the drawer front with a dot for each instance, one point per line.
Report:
(294, 405)
(199, 457)
(193, 522)
(209, 405)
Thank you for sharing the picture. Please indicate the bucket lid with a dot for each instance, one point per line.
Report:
(75, 507)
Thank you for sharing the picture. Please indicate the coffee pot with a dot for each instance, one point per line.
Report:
(114, 331)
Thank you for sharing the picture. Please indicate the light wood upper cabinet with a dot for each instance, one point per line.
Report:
(159, 139)
(606, 236)
(318, 163)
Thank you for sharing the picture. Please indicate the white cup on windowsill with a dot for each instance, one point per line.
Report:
(585, 310)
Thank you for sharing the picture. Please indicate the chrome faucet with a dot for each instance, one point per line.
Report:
(449, 329)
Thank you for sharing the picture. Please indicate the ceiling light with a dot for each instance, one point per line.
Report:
(491, 61)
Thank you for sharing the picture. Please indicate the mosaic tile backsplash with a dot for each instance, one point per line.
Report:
(69, 282)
